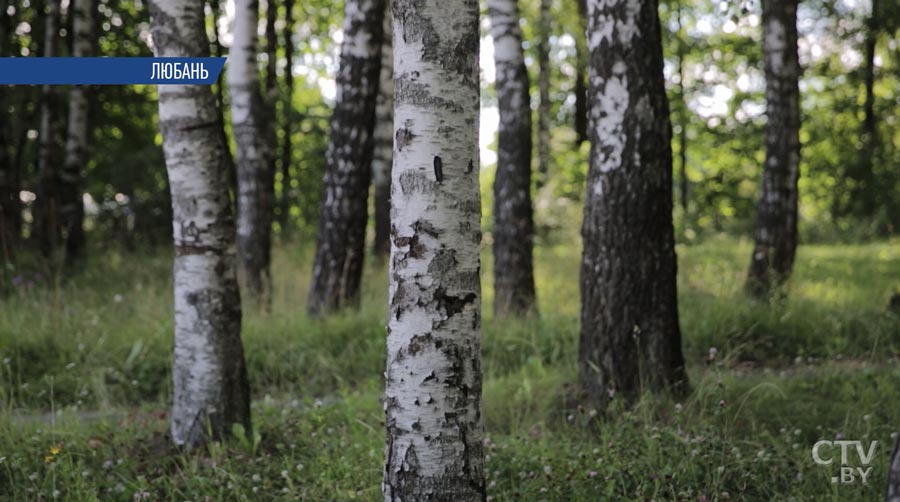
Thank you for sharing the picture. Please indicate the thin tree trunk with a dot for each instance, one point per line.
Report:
(287, 114)
(544, 107)
(682, 134)
(581, 63)
(47, 219)
(384, 143)
(10, 208)
(513, 224)
(865, 194)
(342, 223)
(630, 337)
(433, 398)
(211, 391)
(217, 51)
(775, 234)
(254, 175)
(72, 174)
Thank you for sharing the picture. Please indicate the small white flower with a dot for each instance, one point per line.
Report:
(284, 474)
(256, 478)
(70, 366)
(117, 298)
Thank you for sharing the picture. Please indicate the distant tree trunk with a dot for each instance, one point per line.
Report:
(254, 176)
(217, 51)
(211, 391)
(384, 143)
(342, 223)
(271, 82)
(630, 338)
(10, 207)
(71, 176)
(581, 60)
(775, 234)
(682, 134)
(47, 218)
(287, 113)
(433, 398)
(865, 196)
(544, 107)
(513, 224)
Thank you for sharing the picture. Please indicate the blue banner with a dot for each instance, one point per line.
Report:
(109, 71)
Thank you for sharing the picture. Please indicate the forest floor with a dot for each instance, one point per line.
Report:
(85, 385)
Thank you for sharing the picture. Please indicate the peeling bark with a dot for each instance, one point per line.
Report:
(432, 402)
(71, 177)
(513, 224)
(384, 143)
(255, 177)
(211, 391)
(775, 234)
(340, 243)
(630, 336)
(47, 223)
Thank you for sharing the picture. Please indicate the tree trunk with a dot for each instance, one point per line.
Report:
(682, 134)
(342, 222)
(544, 107)
(10, 208)
(433, 398)
(864, 196)
(287, 114)
(513, 224)
(217, 51)
(47, 218)
(384, 143)
(775, 234)
(211, 391)
(71, 176)
(630, 338)
(254, 176)
(581, 61)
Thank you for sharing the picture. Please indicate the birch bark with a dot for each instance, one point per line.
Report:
(432, 405)
(630, 337)
(340, 243)
(513, 223)
(211, 391)
(255, 177)
(47, 220)
(775, 234)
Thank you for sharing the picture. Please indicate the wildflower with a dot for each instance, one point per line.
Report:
(55, 449)
(256, 478)
(592, 474)
(49, 458)
(722, 403)
(678, 407)
(839, 435)
(117, 298)
(548, 470)
(712, 353)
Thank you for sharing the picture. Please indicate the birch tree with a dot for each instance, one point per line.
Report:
(255, 197)
(775, 233)
(71, 176)
(340, 244)
(384, 143)
(211, 391)
(433, 398)
(513, 224)
(630, 337)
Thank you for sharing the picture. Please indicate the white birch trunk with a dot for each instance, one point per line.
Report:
(210, 379)
(384, 142)
(432, 405)
(254, 173)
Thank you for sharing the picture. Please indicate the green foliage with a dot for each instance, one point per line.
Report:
(85, 366)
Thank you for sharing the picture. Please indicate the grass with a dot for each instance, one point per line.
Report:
(84, 373)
